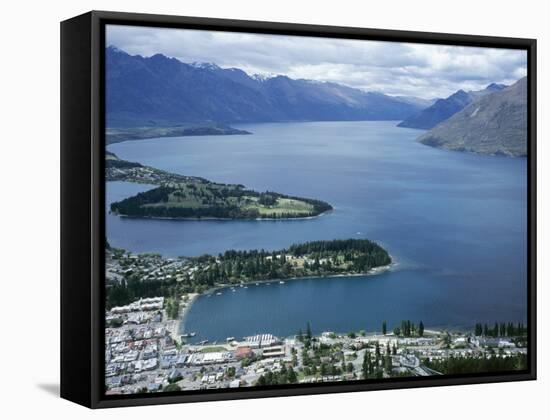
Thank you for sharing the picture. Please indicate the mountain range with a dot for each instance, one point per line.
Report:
(494, 124)
(443, 109)
(159, 90)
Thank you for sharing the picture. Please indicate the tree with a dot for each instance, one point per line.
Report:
(172, 307)
(172, 388)
(384, 328)
(387, 363)
(404, 328)
(291, 376)
(397, 331)
(309, 335)
(366, 368)
(478, 330)
(421, 329)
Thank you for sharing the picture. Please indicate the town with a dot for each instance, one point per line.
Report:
(144, 352)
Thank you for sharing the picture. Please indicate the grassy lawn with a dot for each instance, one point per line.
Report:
(284, 205)
(212, 349)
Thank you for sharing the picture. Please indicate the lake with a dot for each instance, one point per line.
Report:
(456, 223)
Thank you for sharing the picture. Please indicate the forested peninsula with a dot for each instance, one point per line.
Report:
(139, 275)
(185, 197)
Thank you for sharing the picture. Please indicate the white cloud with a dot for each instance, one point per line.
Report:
(394, 68)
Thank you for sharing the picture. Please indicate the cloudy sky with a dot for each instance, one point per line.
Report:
(426, 71)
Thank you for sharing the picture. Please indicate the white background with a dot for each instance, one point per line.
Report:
(29, 302)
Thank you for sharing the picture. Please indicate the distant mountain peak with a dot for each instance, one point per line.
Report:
(459, 93)
(495, 87)
(205, 66)
(443, 109)
(263, 76)
(115, 49)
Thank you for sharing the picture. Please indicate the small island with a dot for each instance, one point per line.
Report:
(147, 275)
(186, 197)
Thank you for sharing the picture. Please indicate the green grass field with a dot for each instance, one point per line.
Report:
(283, 206)
(212, 349)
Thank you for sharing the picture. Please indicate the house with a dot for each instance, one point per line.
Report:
(243, 352)
(274, 351)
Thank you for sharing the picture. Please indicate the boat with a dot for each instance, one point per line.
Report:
(218, 294)
(257, 284)
(230, 339)
(281, 282)
(191, 334)
(203, 342)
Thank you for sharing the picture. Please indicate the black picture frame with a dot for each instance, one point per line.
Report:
(83, 205)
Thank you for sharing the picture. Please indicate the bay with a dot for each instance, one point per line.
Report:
(454, 222)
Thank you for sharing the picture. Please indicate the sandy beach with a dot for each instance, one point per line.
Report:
(175, 326)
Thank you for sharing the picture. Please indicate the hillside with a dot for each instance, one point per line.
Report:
(162, 91)
(495, 124)
(443, 109)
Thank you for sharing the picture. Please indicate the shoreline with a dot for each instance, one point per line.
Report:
(183, 314)
(176, 331)
(222, 219)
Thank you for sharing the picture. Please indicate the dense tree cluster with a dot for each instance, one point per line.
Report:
(500, 330)
(325, 258)
(133, 288)
(409, 329)
(172, 307)
(324, 360)
(267, 199)
(478, 364)
(361, 253)
(282, 377)
(171, 388)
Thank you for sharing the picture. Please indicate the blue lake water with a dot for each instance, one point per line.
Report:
(454, 222)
